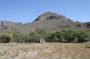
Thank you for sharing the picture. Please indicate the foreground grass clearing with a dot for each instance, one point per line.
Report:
(44, 51)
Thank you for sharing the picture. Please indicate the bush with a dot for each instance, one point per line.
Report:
(6, 38)
(50, 37)
(67, 36)
(88, 32)
(82, 36)
(33, 37)
(41, 35)
(54, 37)
(20, 38)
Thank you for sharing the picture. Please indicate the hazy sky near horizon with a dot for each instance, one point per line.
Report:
(29, 10)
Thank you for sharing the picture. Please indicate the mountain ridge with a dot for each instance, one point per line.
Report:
(48, 21)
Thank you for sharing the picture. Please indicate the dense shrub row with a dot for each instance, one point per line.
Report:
(69, 36)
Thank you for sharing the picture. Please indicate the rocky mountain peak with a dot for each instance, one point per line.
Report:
(49, 16)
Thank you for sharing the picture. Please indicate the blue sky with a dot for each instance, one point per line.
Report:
(28, 10)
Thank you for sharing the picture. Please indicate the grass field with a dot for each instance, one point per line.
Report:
(44, 51)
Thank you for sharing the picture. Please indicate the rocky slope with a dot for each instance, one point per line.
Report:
(49, 21)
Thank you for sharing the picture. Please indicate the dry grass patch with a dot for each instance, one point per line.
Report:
(44, 51)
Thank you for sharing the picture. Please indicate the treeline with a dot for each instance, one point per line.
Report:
(69, 36)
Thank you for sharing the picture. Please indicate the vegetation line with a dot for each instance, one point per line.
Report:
(68, 36)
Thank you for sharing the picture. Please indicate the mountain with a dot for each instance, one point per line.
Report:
(48, 21)
(53, 21)
(8, 26)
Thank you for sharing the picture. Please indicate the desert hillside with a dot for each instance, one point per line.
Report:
(49, 21)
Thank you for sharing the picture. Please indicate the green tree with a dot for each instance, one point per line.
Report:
(68, 35)
(81, 35)
(42, 33)
(18, 37)
(54, 37)
(33, 37)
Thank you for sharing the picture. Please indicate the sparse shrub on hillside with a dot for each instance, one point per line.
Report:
(70, 20)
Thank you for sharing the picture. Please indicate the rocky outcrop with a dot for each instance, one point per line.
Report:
(87, 25)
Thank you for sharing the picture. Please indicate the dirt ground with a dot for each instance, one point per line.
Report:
(44, 51)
